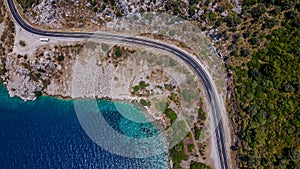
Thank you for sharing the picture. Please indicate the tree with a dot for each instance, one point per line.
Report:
(212, 16)
(118, 52)
(198, 165)
(257, 11)
(232, 21)
(268, 94)
(60, 58)
(145, 102)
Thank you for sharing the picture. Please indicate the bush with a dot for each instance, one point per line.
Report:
(60, 58)
(27, 4)
(22, 43)
(245, 52)
(212, 16)
(232, 21)
(177, 154)
(256, 12)
(197, 133)
(143, 85)
(171, 115)
(191, 147)
(198, 165)
(136, 89)
(104, 47)
(219, 22)
(145, 102)
(118, 53)
(38, 93)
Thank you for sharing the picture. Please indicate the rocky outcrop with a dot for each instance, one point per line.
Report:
(46, 13)
(20, 81)
(28, 76)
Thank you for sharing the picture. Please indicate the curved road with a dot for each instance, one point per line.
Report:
(216, 107)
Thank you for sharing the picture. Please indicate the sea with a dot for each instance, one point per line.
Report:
(46, 133)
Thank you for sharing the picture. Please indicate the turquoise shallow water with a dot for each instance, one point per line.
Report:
(47, 134)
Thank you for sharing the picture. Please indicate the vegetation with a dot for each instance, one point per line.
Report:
(191, 147)
(196, 165)
(171, 114)
(104, 47)
(173, 97)
(263, 52)
(135, 89)
(60, 58)
(41, 70)
(177, 155)
(90, 45)
(145, 102)
(2, 70)
(161, 105)
(7, 36)
(188, 95)
(269, 103)
(268, 92)
(201, 114)
(118, 52)
(38, 93)
(22, 43)
(169, 87)
(197, 132)
(142, 86)
(25, 4)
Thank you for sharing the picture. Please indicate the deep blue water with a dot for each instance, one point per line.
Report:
(47, 134)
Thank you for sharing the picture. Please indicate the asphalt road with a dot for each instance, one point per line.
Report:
(216, 107)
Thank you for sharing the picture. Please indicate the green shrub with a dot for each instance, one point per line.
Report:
(177, 154)
(191, 147)
(198, 165)
(171, 114)
(145, 102)
(38, 93)
(197, 133)
(212, 16)
(143, 85)
(60, 58)
(118, 53)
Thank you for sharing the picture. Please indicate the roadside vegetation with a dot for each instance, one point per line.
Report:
(268, 98)
(267, 88)
(178, 154)
(262, 56)
(26, 4)
(186, 148)
(261, 50)
(7, 37)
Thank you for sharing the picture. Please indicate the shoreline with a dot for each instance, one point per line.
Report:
(45, 122)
